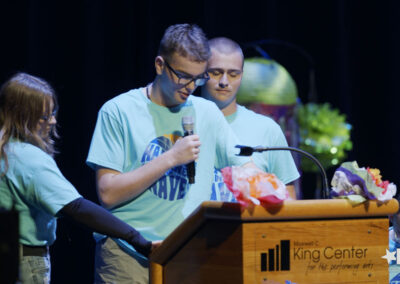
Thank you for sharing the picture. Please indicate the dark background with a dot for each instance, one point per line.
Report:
(91, 51)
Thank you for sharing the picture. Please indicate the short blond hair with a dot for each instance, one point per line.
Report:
(187, 40)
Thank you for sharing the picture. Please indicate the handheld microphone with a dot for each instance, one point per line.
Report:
(188, 126)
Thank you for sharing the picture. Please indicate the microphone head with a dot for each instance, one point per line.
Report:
(244, 150)
(188, 123)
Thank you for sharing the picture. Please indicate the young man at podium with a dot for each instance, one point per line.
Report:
(139, 152)
(225, 68)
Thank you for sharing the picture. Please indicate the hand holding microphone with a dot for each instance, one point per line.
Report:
(186, 150)
(188, 129)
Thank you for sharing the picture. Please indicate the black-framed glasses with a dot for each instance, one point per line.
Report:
(186, 80)
(48, 117)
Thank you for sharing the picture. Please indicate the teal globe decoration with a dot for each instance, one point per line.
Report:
(266, 81)
(268, 89)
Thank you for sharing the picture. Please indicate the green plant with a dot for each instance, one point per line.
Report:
(324, 133)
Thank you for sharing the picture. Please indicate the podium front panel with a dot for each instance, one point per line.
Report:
(304, 242)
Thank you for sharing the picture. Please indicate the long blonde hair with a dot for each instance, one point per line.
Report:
(22, 99)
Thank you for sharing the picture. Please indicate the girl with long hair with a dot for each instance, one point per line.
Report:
(31, 182)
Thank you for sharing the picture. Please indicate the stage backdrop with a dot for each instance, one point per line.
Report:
(93, 50)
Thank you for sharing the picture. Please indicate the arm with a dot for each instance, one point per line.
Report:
(100, 220)
(114, 187)
(292, 191)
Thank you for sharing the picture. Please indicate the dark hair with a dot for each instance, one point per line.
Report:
(187, 40)
(22, 99)
(225, 45)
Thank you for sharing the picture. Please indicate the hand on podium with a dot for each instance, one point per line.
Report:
(155, 245)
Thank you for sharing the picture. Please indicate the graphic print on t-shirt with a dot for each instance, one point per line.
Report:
(219, 191)
(173, 184)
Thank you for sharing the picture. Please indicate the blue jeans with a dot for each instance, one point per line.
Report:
(34, 269)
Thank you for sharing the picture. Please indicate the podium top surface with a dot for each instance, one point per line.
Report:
(297, 209)
(293, 210)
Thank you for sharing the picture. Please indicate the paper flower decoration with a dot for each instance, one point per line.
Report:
(360, 184)
(250, 185)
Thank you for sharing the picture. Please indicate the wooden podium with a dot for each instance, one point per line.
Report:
(302, 241)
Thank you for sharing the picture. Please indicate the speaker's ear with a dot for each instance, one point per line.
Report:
(159, 64)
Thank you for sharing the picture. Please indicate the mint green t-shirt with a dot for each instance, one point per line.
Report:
(131, 131)
(37, 188)
(254, 129)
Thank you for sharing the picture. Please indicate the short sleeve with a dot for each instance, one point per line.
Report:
(52, 191)
(281, 163)
(226, 142)
(107, 147)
